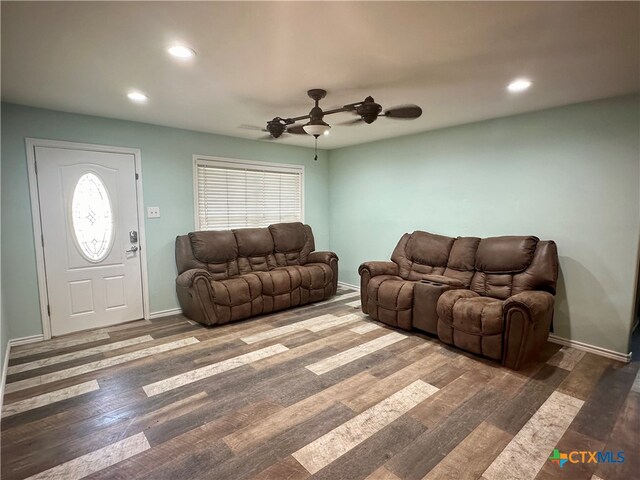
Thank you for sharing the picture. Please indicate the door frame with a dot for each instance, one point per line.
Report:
(31, 144)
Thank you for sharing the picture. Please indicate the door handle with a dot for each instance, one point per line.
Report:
(133, 249)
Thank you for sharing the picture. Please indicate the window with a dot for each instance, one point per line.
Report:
(236, 194)
(92, 217)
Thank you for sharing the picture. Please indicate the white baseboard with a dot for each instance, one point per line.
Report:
(603, 352)
(3, 380)
(348, 285)
(14, 342)
(165, 313)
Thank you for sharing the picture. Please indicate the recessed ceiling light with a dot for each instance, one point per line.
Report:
(137, 97)
(519, 85)
(181, 51)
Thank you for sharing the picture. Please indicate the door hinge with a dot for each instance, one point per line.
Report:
(137, 176)
(35, 165)
(48, 310)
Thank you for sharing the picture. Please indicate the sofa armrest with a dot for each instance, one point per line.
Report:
(196, 297)
(378, 268)
(331, 259)
(322, 257)
(373, 269)
(536, 303)
(527, 319)
(186, 279)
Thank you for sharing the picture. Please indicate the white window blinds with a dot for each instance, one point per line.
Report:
(234, 194)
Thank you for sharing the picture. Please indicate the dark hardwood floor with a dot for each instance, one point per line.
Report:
(315, 392)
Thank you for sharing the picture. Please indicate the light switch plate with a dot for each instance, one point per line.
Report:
(153, 212)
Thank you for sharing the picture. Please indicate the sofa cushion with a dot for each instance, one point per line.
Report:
(314, 275)
(255, 250)
(471, 322)
(509, 254)
(389, 300)
(254, 242)
(185, 260)
(293, 243)
(430, 249)
(288, 237)
(279, 281)
(214, 246)
(542, 273)
(462, 259)
(236, 291)
(480, 315)
(463, 254)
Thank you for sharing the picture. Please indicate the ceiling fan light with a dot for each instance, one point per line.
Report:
(519, 85)
(181, 51)
(137, 97)
(316, 128)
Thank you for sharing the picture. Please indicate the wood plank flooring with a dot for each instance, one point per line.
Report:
(317, 392)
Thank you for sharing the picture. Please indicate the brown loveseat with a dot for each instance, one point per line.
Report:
(491, 296)
(235, 274)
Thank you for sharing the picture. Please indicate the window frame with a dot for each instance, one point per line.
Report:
(215, 161)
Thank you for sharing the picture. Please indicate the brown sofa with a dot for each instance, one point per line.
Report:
(224, 276)
(491, 296)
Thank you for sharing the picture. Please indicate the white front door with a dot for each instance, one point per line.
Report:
(90, 225)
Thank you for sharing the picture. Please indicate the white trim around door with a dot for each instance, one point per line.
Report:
(31, 144)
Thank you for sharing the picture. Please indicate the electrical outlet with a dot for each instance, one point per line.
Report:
(153, 212)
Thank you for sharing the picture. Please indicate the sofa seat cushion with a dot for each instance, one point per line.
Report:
(315, 275)
(280, 280)
(281, 288)
(237, 298)
(482, 315)
(471, 322)
(237, 290)
(316, 281)
(389, 300)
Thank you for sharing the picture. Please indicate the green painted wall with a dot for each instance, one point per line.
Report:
(4, 338)
(569, 174)
(167, 183)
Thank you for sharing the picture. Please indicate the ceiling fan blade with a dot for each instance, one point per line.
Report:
(244, 126)
(355, 121)
(296, 130)
(271, 137)
(404, 112)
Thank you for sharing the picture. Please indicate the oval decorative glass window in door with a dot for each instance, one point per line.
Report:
(92, 217)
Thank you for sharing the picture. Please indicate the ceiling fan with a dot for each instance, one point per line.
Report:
(367, 111)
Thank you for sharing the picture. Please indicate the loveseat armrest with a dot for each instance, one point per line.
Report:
(187, 278)
(527, 319)
(378, 268)
(331, 259)
(322, 257)
(373, 269)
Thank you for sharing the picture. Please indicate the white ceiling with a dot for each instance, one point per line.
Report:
(257, 60)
